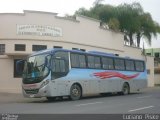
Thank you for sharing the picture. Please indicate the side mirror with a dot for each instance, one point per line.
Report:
(20, 66)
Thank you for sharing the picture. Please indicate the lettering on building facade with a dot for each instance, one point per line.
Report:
(39, 30)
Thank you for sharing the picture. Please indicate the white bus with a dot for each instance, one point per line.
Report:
(58, 72)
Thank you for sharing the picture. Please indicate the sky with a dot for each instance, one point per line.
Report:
(63, 7)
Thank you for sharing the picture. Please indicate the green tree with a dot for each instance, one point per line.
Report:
(114, 24)
(127, 18)
(82, 11)
(147, 28)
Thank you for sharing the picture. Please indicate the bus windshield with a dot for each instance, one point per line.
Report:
(35, 68)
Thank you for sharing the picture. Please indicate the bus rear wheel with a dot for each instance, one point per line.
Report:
(75, 92)
(125, 89)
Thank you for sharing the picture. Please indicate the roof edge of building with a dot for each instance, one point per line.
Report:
(43, 12)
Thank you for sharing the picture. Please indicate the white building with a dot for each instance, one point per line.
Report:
(24, 33)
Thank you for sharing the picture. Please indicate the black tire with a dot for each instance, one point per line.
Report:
(75, 92)
(125, 89)
(51, 98)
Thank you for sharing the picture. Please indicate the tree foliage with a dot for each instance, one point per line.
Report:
(127, 18)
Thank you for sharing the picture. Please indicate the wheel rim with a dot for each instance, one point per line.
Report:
(75, 92)
(125, 90)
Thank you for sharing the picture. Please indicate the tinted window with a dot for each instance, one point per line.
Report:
(82, 61)
(64, 56)
(61, 54)
(156, 55)
(90, 61)
(130, 65)
(38, 47)
(57, 47)
(59, 65)
(20, 47)
(74, 60)
(107, 63)
(94, 62)
(119, 64)
(78, 60)
(2, 49)
(97, 62)
(16, 73)
(139, 66)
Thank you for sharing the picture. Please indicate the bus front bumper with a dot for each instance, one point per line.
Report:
(35, 93)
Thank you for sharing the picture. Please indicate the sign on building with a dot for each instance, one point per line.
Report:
(39, 30)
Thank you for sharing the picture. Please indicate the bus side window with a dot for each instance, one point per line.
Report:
(107, 63)
(59, 66)
(90, 61)
(74, 60)
(94, 62)
(82, 61)
(97, 62)
(139, 66)
(119, 64)
(129, 65)
(78, 60)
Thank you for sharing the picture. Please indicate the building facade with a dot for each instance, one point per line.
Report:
(24, 33)
(155, 52)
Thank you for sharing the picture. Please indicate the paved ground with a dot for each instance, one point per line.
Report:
(146, 101)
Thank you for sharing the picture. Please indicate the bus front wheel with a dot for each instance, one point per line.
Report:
(75, 92)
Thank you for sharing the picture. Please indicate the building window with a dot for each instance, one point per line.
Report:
(156, 63)
(2, 49)
(149, 54)
(38, 47)
(157, 71)
(57, 47)
(156, 55)
(16, 74)
(20, 47)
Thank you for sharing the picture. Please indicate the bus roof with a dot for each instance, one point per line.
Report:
(53, 50)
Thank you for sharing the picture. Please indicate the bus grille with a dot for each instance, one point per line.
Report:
(32, 91)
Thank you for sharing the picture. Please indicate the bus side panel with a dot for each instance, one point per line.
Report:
(139, 83)
(85, 78)
(98, 81)
(114, 80)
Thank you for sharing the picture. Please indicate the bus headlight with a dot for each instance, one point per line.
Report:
(44, 83)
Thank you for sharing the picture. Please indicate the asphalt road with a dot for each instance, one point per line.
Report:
(146, 101)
